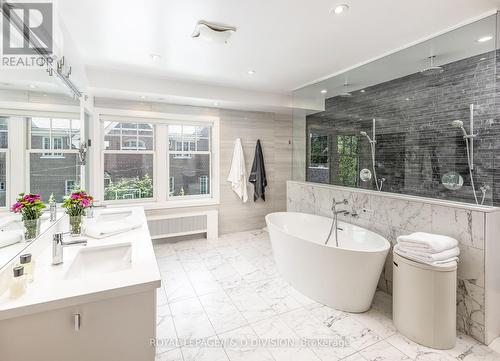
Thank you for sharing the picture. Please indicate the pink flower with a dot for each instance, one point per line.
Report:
(16, 207)
(84, 202)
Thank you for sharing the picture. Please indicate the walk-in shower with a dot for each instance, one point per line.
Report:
(373, 142)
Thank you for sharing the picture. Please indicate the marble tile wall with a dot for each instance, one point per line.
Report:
(394, 216)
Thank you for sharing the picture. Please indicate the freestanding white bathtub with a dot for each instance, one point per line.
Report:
(343, 277)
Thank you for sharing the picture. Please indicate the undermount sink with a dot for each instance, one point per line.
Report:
(100, 260)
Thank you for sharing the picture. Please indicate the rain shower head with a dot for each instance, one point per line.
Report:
(432, 69)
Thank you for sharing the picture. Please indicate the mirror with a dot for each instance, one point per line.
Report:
(40, 135)
(365, 175)
(452, 181)
(403, 117)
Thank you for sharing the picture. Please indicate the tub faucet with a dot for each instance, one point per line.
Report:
(58, 246)
(335, 220)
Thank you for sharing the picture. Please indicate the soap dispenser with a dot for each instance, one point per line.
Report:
(18, 283)
(28, 263)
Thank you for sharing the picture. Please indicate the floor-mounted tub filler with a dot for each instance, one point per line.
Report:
(343, 277)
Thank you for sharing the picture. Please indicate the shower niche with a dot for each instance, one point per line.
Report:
(422, 121)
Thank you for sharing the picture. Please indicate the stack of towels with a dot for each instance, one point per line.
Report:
(432, 249)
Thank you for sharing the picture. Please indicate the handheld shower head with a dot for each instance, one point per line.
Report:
(460, 125)
(363, 134)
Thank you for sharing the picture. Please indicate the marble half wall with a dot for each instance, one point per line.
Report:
(392, 215)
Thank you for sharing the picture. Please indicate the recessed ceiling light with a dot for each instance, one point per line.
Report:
(407, 99)
(362, 91)
(155, 57)
(340, 9)
(485, 38)
(251, 72)
(33, 86)
(482, 59)
(324, 91)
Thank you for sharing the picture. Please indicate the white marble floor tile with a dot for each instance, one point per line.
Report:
(416, 351)
(177, 286)
(376, 321)
(251, 306)
(243, 344)
(166, 335)
(209, 350)
(302, 322)
(170, 355)
(203, 282)
(282, 343)
(190, 319)
(383, 351)
(221, 312)
(277, 295)
(468, 349)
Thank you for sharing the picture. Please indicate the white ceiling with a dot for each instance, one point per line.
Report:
(288, 43)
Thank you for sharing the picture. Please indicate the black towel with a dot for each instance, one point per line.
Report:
(258, 174)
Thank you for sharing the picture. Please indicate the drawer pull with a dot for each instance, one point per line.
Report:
(78, 319)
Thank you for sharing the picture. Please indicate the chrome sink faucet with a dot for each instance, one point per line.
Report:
(58, 247)
(335, 219)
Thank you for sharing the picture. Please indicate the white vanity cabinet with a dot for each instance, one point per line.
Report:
(114, 329)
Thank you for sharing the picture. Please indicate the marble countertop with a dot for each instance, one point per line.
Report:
(50, 290)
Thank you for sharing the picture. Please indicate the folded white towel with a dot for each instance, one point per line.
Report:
(238, 173)
(110, 228)
(433, 259)
(10, 237)
(427, 242)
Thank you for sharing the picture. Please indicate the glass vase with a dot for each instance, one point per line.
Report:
(31, 228)
(75, 225)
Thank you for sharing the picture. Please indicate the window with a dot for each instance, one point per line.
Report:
(71, 186)
(57, 143)
(189, 160)
(50, 172)
(318, 148)
(3, 161)
(347, 151)
(171, 186)
(203, 184)
(128, 160)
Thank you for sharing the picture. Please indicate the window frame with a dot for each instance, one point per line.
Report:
(60, 154)
(127, 151)
(6, 151)
(188, 155)
(161, 178)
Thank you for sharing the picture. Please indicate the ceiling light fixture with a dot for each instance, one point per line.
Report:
(251, 72)
(143, 97)
(216, 104)
(340, 9)
(33, 86)
(485, 39)
(155, 57)
(212, 32)
(324, 91)
(362, 91)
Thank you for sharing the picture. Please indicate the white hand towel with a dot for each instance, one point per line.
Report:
(238, 173)
(10, 237)
(444, 256)
(110, 228)
(427, 242)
